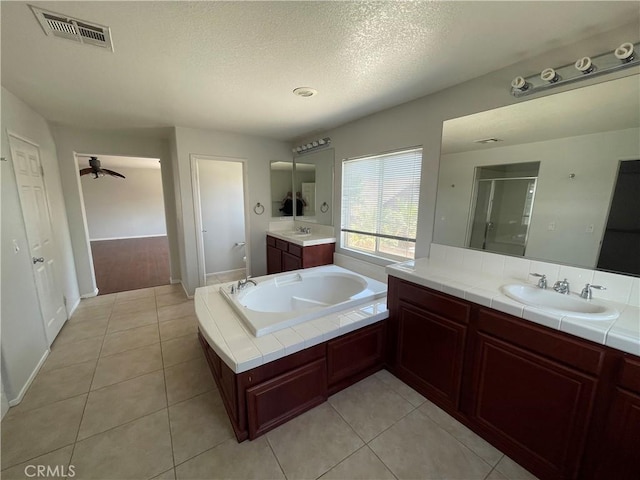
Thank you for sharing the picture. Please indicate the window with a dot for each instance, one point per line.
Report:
(380, 204)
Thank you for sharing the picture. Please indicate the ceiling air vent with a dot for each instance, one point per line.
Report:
(58, 25)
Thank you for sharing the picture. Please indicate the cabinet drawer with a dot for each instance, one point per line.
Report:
(434, 302)
(282, 245)
(295, 250)
(559, 346)
(271, 241)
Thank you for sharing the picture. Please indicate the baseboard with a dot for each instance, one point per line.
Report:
(18, 399)
(190, 297)
(90, 295)
(222, 272)
(173, 281)
(125, 238)
(73, 308)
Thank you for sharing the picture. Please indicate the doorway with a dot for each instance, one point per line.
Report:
(126, 222)
(220, 204)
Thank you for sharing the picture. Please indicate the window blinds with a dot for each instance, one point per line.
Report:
(380, 202)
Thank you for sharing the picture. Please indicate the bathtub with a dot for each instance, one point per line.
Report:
(287, 299)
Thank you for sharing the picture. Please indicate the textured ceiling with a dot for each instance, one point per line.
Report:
(232, 66)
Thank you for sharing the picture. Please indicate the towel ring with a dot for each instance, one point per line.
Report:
(324, 208)
(258, 209)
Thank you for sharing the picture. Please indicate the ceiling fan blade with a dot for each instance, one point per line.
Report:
(86, 171)
(112, 173)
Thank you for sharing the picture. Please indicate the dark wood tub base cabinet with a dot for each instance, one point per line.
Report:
(264, 397)
(561, 406)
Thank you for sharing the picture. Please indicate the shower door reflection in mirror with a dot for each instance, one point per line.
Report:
(502, 208)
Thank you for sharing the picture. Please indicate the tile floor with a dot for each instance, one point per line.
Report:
(126, 394)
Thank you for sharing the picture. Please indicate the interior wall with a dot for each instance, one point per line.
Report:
(132, 143)
(420, 122)
(24, 343)
(258, 152)
(572, 204)
(132, 207)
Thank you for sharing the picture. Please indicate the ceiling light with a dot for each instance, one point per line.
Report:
(313, 145)
(624, 52)
(305, 91)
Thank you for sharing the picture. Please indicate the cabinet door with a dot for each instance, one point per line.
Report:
(274, 260)
(430, 354)
(619, 456)
(538, 407)
(354, 355)
(279, 399)
(290, 262)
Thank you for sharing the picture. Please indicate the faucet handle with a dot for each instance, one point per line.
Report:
(542, 283)
(586, 291)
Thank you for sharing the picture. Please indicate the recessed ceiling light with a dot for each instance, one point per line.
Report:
(305, 91)
(488, 140)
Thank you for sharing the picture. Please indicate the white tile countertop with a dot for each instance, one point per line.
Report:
(242, 351)
(306, 240)
(480, 281)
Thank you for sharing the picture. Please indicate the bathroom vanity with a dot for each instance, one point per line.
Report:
(560, 405)
(286, 252)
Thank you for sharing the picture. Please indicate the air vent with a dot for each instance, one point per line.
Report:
(58, 25)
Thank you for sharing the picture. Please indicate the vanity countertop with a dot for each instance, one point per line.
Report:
(483, 288)
(306, 240)
(241, 351)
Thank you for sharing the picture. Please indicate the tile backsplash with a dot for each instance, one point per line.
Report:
(619, 288)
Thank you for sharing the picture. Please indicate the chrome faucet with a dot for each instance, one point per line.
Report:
(542, 283)
(562, 286)
(244, 282)
(304, 229)
(587, 293)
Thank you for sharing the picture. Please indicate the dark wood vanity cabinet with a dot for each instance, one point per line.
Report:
(264, 397)
(283, 256)
(561, 406)
(431, 335)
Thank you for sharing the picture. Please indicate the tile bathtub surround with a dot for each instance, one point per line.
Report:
(170, 422)
(477, 276)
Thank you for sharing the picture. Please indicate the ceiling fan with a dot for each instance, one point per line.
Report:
(97, 171)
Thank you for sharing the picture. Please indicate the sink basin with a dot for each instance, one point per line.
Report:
(567, 305)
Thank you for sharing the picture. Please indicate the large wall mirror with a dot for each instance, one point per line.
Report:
(313, 186)
(556, 179)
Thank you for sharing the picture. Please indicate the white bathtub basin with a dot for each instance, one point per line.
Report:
(280, 301)
(567, 305)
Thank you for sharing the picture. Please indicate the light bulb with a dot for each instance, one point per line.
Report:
(584, 65)
(315, 143)
(549, 75)
(519, 83)
(624, 52)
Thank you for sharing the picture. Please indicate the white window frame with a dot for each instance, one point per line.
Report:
(377, 254)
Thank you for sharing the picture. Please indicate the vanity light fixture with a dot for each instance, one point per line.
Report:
(312, 146)
(622, 57)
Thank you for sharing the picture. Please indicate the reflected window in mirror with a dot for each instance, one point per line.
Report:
(579, 154)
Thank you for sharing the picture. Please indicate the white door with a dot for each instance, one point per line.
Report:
(37, 219)
(221, 198)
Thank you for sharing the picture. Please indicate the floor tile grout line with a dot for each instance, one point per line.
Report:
(166, 394)
(37, 456)
(284, 474)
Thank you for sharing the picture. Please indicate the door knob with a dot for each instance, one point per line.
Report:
(37, 260)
